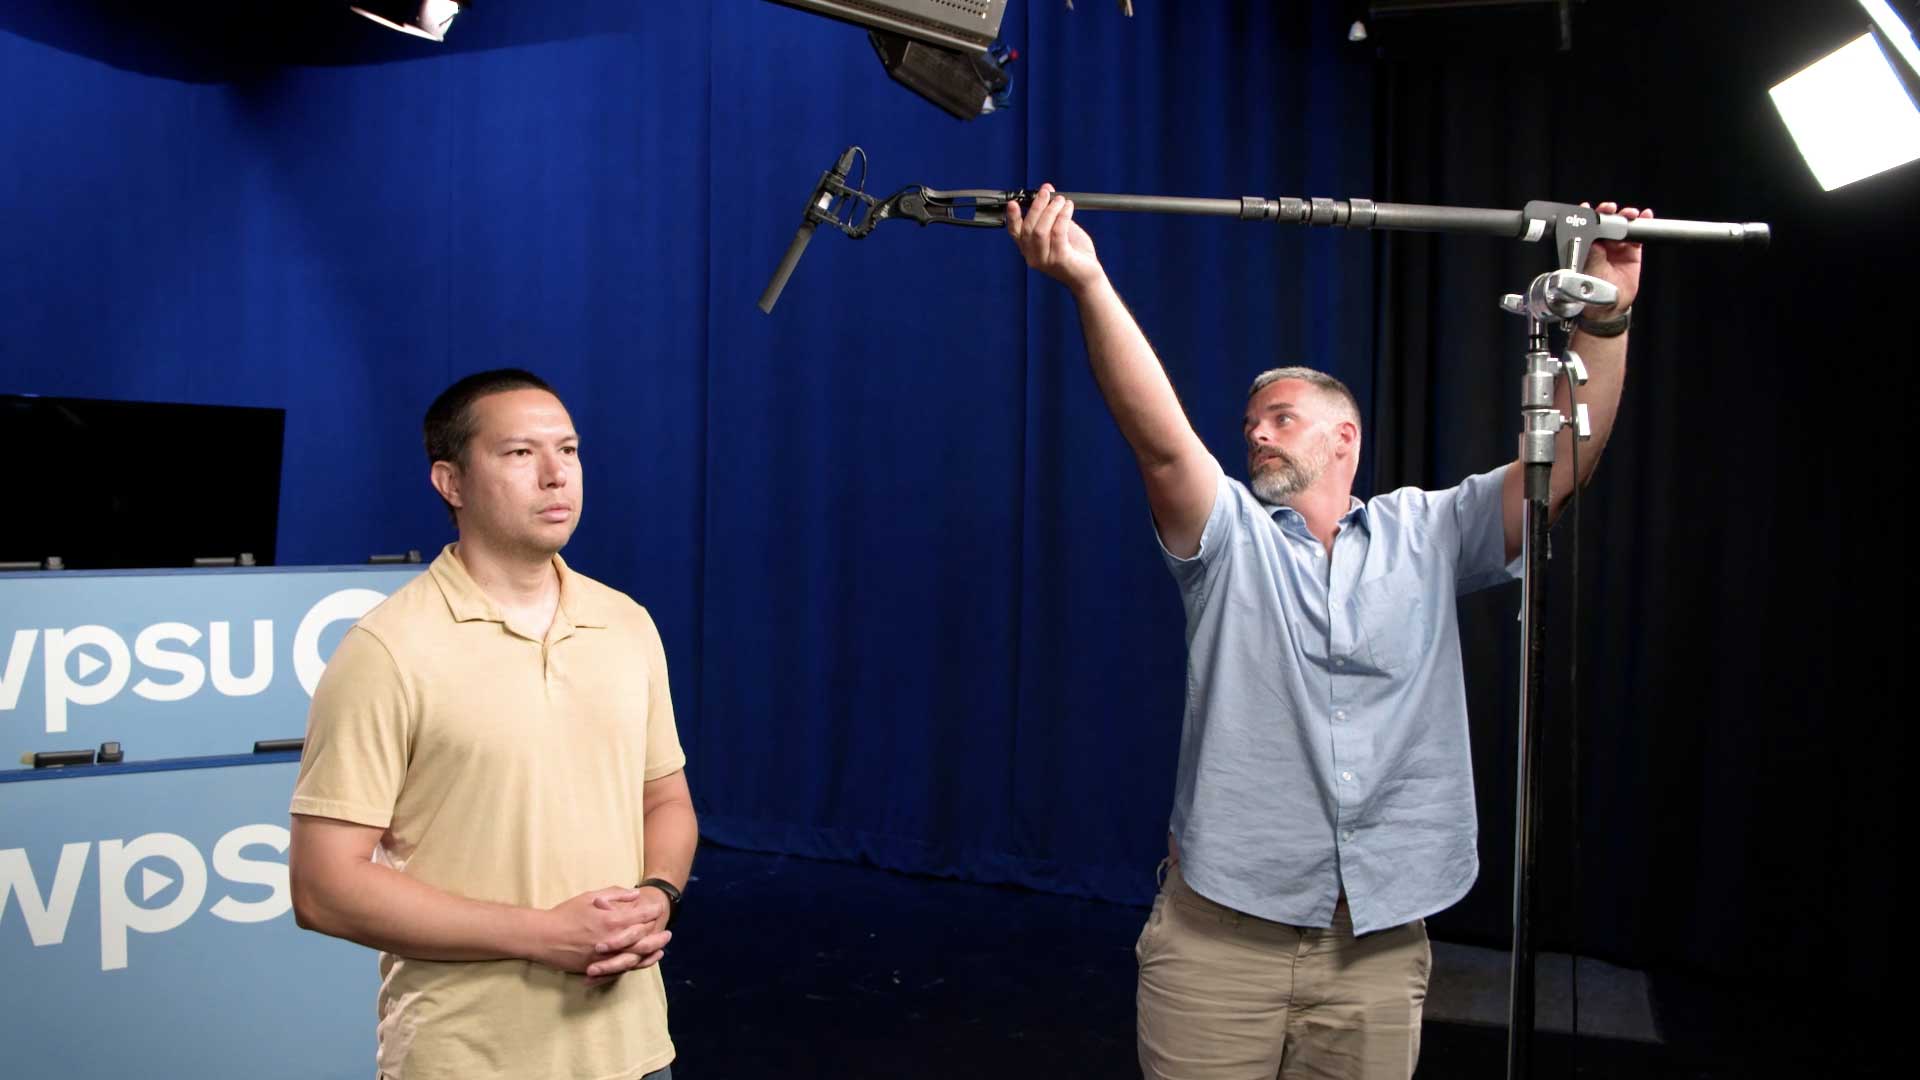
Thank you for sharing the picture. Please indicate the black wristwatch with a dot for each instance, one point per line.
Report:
(673, 898)
(1613, 327)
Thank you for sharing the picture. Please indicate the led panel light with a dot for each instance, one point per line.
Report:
(429, 19)
(1850, 115)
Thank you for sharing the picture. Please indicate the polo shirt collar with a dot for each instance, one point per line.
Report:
(468, 603)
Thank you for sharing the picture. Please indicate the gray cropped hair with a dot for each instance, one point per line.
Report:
(1320, 380)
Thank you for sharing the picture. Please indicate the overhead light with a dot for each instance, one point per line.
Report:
(1851, 114)
(966, 25)
(429, 19)
(964, 84)
(1896, 32)
(947, 51)
(1357, 32)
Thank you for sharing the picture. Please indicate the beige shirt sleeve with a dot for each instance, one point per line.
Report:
(664, 755)
(359, 736)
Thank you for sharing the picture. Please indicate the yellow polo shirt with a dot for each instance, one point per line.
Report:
(502, 769)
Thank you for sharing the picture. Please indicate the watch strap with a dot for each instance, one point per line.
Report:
(1613, 327)
(673, 896)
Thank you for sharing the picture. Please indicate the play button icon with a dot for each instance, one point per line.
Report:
(86, 665)
(89, 663)
(151, 882)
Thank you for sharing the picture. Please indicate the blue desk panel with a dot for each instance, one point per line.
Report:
(146, 930)
(172, 663)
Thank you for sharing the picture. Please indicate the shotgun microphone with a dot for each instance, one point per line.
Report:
(819, 208)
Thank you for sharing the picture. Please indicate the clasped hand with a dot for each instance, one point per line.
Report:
(606, 933)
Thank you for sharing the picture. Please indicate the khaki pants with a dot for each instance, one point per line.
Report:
(1227, 996)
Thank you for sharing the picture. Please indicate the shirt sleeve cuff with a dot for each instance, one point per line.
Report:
(1213, 534)
(353, 813)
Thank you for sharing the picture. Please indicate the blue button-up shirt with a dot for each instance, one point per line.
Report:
(1325, 742)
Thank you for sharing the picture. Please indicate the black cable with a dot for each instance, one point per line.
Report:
(850, 204)
(1573, 745)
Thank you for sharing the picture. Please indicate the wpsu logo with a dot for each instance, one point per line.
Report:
(92, 665)
(48, 913)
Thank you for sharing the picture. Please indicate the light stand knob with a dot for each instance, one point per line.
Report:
(1577, 366)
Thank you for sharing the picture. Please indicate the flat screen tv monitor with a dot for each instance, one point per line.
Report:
(122, 484)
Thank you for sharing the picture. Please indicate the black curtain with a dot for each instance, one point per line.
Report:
(1742, 598)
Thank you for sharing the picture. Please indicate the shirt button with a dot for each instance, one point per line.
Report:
(1348, 835)
(1339, 661)
(1340, 714)
(1346, 776)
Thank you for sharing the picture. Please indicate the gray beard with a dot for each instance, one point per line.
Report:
(1281, 480)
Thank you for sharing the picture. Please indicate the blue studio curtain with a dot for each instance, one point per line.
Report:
(900, 556)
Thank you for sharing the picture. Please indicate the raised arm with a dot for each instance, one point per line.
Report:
(1181, 476)
(1606, 358)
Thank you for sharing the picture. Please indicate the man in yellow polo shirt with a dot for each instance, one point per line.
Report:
(491, 766)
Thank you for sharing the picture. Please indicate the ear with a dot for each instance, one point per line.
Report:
(445, 477)
(1346, 439)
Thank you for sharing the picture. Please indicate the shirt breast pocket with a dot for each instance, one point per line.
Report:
(1392, 619)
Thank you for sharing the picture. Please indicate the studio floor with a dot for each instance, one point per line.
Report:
(791, 967)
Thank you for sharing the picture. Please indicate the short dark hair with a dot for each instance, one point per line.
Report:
(450, 422)
(1342, 397)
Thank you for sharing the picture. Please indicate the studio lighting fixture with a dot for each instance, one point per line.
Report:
(963, 83)
(1853, 114)
(943, 50)
(429, 19)
(964, 25)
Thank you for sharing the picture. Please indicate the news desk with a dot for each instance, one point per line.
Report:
(146, 927)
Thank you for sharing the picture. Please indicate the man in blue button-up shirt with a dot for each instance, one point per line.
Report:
(1324, 797)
